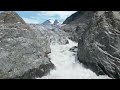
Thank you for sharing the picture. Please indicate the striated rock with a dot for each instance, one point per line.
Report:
(98, 47)
(74, 31)
(99, 41)
(23, 52)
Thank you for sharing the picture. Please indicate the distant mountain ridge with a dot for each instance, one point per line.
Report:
(51, 22)
(47, 22)
(56, 22)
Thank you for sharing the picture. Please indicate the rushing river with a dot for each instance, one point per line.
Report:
(67, 67)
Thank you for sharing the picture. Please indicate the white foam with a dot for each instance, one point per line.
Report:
(66, 65)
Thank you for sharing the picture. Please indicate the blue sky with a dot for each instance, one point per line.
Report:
(40, 16)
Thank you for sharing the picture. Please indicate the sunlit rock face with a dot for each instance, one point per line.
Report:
(23, 51)
(10, 17)
(53, 33)
(98, 37)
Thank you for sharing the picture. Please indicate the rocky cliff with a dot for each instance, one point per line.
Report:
(10, 17)
(76, 21)
(23, 51)
(98, 37)
(53, 33)
(73, 17)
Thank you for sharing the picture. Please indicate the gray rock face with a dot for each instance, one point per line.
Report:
(99, 42)
(53, 33)
(10, 17)
(98, 37)
(23, 52)
(73, 31)
(78, 20)
(73, 17)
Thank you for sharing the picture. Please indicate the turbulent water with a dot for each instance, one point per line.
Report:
(67, 67)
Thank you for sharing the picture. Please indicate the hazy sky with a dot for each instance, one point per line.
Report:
(41, 16)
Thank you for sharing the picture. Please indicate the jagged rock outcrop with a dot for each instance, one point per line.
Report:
(23, 51)
(76, 21)
(10, 17)
(74, 49)
(73, 17)
(53, 33)
(99, 42)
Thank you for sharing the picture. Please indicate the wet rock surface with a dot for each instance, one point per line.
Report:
(74, 49)
(99, 41)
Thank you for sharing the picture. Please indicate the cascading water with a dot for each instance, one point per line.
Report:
(66, 65)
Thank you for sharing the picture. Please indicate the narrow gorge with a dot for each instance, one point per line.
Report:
(85, 46)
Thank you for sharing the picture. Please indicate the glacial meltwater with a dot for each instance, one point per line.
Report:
(67, 67)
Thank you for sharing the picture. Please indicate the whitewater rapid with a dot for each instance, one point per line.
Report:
(67, 67)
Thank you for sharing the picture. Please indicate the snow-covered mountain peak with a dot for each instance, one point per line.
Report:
(56, 22)
(49, 21)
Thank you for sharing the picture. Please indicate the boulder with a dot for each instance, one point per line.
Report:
(98, 46)
(23, 52)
